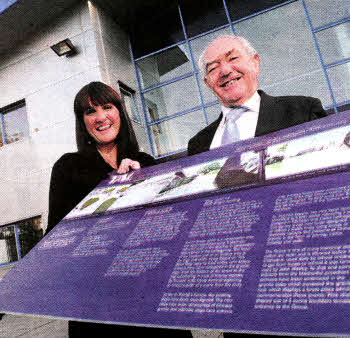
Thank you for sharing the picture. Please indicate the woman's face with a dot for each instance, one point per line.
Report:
(102, 122)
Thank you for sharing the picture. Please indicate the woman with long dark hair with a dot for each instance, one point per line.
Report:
(105, 140)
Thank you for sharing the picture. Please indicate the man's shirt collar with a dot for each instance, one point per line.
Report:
(253, 105)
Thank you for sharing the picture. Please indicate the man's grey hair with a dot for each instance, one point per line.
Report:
(202, 63)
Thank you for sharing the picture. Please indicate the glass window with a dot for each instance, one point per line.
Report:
(279, 30)
(156, 29)
(339, 77)
(15, 124)
(325, 11)
(207, 94)
(174, 134)
(166, 65)
(201, 16)
(29, 232)
(334, 42)
(344, 107)
(213, 112)
(284, 42)
(239, 9)
(8, 250)
(172, 98)
(128, 96)
(310, 84)
(1, 139)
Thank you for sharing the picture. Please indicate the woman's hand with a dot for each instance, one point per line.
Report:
(126, 165)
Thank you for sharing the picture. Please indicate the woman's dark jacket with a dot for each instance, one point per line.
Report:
(74, 175)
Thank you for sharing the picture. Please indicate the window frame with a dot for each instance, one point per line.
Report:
(17, 247)
(231, 23)
(7, 110)
(125, 90)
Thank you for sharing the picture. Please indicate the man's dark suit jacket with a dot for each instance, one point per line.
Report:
(275, 113)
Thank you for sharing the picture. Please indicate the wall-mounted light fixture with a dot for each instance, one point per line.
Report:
(64, 47)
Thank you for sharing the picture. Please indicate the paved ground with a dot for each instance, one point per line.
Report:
(29, 326)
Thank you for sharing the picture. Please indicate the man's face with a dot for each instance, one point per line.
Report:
(232, 73)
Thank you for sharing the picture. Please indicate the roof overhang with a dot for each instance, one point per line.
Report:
(23, 17)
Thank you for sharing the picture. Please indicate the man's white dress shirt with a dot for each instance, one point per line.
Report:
(246, 123)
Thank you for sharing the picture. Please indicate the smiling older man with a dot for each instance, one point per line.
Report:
(231, 67)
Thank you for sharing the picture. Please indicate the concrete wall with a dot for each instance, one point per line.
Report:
(116, 62)
(48, 83)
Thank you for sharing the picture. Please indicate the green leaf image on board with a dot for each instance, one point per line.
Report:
(123, 189)
(105, 205)
(89, 202)
(109, 189)
(211, 168)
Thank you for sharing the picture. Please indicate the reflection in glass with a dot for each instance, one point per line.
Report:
(343, 107)
(284, 51)
(1, 139)
(203, 15)
(156, 29)
(174, 134)
(310, 84)
(8, 250)
(172, 98)
(334, 42)
(325, 11)
(16, 125)
(164, 66)
(207, 94)
(213, 112)
(30, 233)
(239, 9)
(339, 77)
(128, 96)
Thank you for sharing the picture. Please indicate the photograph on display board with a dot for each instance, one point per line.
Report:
(240, 169)
(188, 181)
(305, 155)
(321, 150)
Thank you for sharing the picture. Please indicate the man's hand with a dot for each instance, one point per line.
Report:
(126, 165)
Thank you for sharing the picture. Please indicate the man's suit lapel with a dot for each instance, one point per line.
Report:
(269, 111)
(213, 126)
(202, 141)
(210, 132)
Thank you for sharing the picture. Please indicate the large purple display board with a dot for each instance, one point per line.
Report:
(251, 237)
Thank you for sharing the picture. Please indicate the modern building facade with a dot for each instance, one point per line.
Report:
(148, 51)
